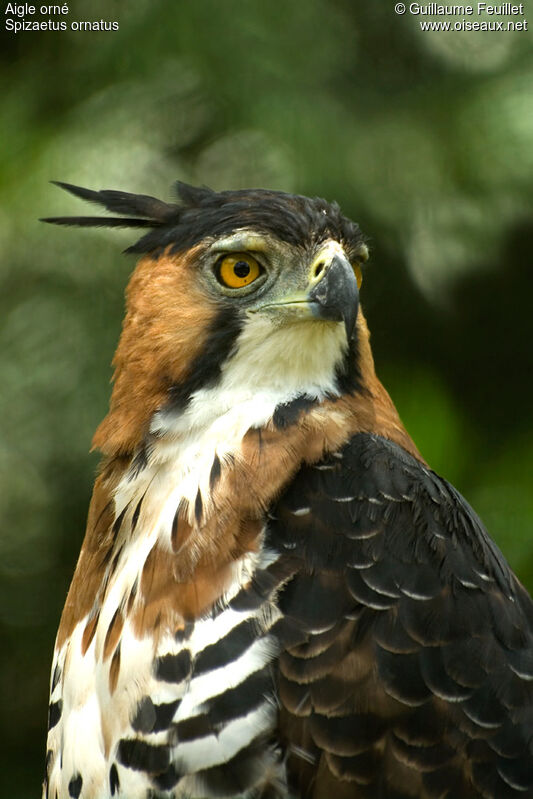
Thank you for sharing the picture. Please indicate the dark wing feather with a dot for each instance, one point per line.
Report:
(412, 675)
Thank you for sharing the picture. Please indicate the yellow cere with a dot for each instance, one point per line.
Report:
(238, 270)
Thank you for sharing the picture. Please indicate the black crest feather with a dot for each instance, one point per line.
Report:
(140, 210)
(202, 212)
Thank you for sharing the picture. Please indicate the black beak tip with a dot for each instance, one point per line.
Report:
(349, 318)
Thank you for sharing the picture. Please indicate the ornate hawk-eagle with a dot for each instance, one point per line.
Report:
(275, 596)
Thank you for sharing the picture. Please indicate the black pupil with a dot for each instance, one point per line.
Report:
(241, 269)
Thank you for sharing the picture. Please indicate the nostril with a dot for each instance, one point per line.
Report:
(319, 268)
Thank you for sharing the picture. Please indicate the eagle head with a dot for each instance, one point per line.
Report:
(243, 290)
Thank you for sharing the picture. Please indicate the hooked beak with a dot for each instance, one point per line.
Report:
(335, 296)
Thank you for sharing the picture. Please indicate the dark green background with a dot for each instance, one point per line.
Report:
(424, 138)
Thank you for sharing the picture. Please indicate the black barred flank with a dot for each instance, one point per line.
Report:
(227, 649)
(114, 782)
(245, 697)
(54, 713)
(202, 212)
(164, 714)
(196, 727)
(173, 668)
(75, 785)
(153, 718)
(242, 772)
(165, 781)
(140, 756)
(144, 718)
(56, 677)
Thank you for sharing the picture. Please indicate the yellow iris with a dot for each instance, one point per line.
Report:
(237, 270)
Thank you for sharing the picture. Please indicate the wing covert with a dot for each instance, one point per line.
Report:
(408, 668)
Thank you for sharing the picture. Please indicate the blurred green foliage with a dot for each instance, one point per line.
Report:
(424, 138)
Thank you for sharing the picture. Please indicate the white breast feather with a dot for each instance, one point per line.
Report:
(269, 367)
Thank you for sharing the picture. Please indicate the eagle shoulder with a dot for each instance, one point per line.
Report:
(408, 655)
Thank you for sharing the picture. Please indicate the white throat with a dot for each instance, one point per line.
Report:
(270, 365)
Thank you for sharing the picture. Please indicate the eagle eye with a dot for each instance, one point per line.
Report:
(237, 270)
